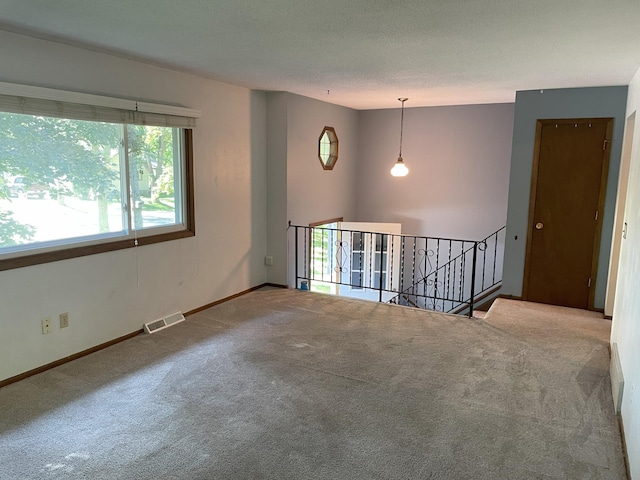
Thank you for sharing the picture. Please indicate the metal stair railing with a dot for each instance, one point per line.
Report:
(426, 272)
(485, 254)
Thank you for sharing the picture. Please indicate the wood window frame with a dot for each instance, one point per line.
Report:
(28, 259)
(333, 151)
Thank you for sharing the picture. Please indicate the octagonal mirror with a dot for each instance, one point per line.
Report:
(328, 148)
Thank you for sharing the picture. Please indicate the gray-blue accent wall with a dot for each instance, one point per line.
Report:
(531, 105)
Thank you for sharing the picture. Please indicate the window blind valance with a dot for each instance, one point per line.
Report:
(46, 102)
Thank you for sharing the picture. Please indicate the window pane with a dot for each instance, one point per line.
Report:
(376, 280)
(356, 240)
(59, 179)
(64, 184)
(154, 167)
(356, 261)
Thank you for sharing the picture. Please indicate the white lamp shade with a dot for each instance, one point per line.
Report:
(399, 169)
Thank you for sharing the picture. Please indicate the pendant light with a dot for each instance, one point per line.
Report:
(400, 169)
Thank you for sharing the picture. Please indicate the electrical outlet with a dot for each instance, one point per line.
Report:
(268, 260)
(64, 320)
(46, 325)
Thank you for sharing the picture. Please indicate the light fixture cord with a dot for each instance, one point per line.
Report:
(401, 125)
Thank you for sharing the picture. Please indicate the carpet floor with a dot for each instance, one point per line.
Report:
(284, 384)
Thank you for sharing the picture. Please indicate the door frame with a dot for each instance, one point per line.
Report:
(313, 225)
(601, 199)
(619, 218)
(393, 231)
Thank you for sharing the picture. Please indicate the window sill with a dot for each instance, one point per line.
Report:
(85, 250)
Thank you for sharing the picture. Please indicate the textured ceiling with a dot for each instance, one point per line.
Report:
(359, 53)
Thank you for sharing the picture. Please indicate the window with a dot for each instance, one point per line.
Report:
(78, 179)
(380, 256)
(367, 248)
(357, 260)
(328, 148)
(324, 262)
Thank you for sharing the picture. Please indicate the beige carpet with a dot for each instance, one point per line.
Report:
(283, 384)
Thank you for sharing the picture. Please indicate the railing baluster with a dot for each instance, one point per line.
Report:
(334, 239)
(326, 235)
(338, 261)
(313, 254)
(473, 279)
(484, 262)
(391, 262)
(362, 259)
(308, 258)
(318, 255)
(495, 255)
(381, 265)
(331, 257)
(462, 267)
(342, 257)
(312, 259)
(449, 275)
(325, 261)
(370, 283)
(401, 264)
(413, 262)
(296, 260)
(425, 292)
(435, 282)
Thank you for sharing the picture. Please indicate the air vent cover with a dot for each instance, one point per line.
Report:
(163, 322)
(617, 381)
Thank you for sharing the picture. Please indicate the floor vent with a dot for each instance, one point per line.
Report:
(163, 323)
(617, 381)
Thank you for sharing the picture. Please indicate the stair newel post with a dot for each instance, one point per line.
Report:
(473, 278)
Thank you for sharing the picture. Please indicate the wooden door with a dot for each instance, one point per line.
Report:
(565, 217)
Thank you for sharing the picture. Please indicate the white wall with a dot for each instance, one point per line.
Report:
(458, 159)
(300, 190)
(314, 194)
(618, 224)
(112, 294)
(626, 313)
(277, 186)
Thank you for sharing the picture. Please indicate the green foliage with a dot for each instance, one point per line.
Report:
(59, 152)
(13, 232)
(159, 206)
(82, 159)
(151, 150)
(68, 157)
(165, 185)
